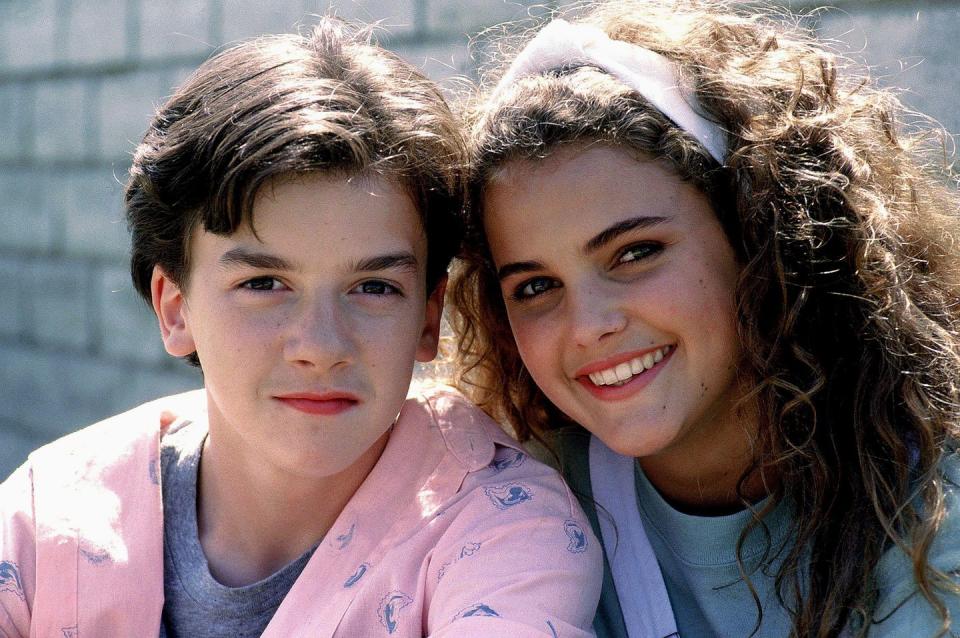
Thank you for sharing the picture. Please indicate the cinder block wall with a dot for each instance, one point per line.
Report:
(79, 80)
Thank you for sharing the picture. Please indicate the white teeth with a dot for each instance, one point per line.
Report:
(623, 372)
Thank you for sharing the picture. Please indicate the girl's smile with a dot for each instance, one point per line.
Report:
(623, 376)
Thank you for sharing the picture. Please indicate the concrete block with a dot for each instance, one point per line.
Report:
(51, 396)
(30, 391)
(244, 19)
(45, 394)
(15, 444)
(28, 33)
(26, 224)
(92, 207)
(51, 393)
(61, 116)
(12, 315)
(127, 104)
(97, 31)
(17, 106)
(176, 27)
(459, 18)
(398, 17)
(128, 328)
(91, 388)
(909, 47)
(145, 384)
(447, 63)
(59, 303)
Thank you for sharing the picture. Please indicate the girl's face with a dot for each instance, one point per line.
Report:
(619, 286)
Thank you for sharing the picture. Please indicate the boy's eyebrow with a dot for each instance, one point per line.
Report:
(401, 260)
(609, 234)
(242, 257)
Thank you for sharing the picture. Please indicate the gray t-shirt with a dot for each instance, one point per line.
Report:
(195, 604)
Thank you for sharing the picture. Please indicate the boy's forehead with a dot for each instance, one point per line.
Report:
(308, 215)
(323, 187)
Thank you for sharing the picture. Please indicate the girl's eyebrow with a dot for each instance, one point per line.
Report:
(397, 261)
(599, 240)
(607, 235)
(515, 267)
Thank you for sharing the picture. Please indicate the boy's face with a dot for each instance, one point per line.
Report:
(307, 331)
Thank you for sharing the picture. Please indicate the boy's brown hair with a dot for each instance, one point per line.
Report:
(280, 106)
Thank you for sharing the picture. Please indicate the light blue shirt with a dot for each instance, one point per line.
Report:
(697, 555)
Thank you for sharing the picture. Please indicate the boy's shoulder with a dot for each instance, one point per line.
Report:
(120, 454)
(84, 503)
(467, 432)
(498, 470)
(115, 438)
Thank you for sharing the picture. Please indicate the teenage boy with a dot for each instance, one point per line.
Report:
(293, 210)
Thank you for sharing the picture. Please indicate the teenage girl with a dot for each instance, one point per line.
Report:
(713, 269)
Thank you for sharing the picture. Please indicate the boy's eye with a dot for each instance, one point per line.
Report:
(262, 283)
(376, 287)
(534, 287)
(636, 252)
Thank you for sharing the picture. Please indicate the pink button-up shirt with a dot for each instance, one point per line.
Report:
(455, 532)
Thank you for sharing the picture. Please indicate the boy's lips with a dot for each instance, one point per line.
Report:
(327, 403)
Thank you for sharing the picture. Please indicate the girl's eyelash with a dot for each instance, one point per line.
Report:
(638, 252)
(537, 286)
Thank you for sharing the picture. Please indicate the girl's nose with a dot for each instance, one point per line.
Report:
(594, 316)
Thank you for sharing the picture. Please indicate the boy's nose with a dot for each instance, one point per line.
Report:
(318, 336)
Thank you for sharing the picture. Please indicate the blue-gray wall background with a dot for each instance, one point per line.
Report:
(79, 80)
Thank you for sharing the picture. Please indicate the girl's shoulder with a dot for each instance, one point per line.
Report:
(901, 609)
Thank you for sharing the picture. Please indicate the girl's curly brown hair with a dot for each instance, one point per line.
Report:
(845, 222)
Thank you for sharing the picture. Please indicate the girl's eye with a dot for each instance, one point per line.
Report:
(262, 283)
(377, 288)
(636, 252)
(533, 288)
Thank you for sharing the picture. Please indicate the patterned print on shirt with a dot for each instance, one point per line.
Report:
(515, 459)
(153, 467)
(390, 607)
(96, 556)
(478, 609)
(578, 539)
(506, 496)
(10, 579)
(467, 550)
(357, 575)
(70, 632)
(344, 539)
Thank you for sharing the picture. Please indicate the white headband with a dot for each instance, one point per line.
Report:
(649, 74)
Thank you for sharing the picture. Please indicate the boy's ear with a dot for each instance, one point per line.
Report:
(169, 304)
(430, 336)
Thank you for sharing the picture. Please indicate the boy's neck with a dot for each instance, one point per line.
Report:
(254, 518)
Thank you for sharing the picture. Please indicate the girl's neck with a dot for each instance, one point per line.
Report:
(700, 475)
